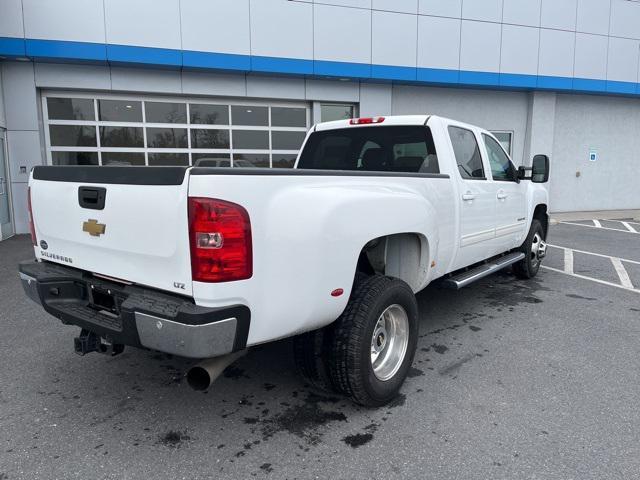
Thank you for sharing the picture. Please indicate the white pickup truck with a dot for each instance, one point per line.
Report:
(204, 262)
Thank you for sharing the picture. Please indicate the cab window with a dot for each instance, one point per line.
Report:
(372, 149)
(467, 153)
(501, 167)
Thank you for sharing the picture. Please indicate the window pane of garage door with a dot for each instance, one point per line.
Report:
(112, 130)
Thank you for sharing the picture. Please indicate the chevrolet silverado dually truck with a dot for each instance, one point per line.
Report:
(204, 262)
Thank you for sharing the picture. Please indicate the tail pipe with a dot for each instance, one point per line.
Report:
(201, 376)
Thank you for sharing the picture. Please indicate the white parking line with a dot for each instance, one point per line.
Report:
(625, 280)
(622, 273)
(596, 223)
(568, 261)
(600, 227)
(603, 282)
(629, 227)
(626, 260)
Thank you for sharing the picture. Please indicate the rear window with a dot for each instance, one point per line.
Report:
(371, 149)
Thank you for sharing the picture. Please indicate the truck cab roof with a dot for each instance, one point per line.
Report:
(386, 120)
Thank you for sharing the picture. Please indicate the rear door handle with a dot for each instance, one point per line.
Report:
(467, 197)
(502, 195)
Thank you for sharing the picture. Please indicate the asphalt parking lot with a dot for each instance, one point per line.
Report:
(512, 379)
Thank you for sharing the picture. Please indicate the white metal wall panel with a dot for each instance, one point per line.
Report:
(439, 42)
(394, 39)
(24, 151)
(145, 80)
(486, 10)
(375, 99)
(342, 34)
(519, 50)
(559, 14)
(480, 46)
(151, 23)
(346, 3)
(441, 8)
(625, 19)
(522, 12)
(591, 56)
(89, 77)
(20, 103)
(332, 91)
(215, 84)
(280, 28)
(275, 87)
(11, 19)
(403, 6)
(3, 118)
(215, 26)
(593, 16)
(65, 20)
(622, 65)
(556, 52)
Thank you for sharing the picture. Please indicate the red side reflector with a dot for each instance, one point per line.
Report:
(220, 241)
(337, 292)
(366, 120)
(32, 227)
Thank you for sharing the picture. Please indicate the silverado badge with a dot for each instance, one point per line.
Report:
(93, 228)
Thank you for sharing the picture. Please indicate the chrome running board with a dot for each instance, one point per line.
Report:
(463, 279)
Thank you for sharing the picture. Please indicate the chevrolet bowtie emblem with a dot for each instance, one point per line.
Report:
(93, 228)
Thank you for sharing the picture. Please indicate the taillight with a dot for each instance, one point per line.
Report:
(32, 227)
(220, 241)
(366, 120)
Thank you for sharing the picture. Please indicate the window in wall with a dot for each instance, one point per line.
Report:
(331, 112)
(70, 108)
(501, 166)
(467, 153)
(112, 130)
(506, 140)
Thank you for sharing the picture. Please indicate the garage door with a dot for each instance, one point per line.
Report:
(134, 130)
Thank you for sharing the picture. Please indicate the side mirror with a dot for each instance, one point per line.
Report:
(540, 169)
(538, 172)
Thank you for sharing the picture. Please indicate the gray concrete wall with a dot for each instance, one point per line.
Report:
(3, 120)
(23, 133)
(488, 109)
(609, 125)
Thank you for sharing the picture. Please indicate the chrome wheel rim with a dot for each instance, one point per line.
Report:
(389, 342)
(538, 249)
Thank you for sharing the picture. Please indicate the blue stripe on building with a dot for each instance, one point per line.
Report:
(66, 51)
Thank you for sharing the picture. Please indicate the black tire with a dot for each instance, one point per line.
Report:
(349, 340)
(529, 266)
(309, 353)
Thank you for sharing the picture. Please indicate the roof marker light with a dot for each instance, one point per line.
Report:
(366, 120)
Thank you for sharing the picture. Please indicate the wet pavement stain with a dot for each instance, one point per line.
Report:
(306, 420)
(235, 373)
(473, 328)
(455, 366)
(266, 467)
(579, 297)
(357, 440)
(415, 372)
(441, 349)
(399, 401)
(173, 439)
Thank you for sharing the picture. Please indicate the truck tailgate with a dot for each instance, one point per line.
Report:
(140, 235)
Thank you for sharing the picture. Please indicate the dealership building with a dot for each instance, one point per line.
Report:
(169, 82)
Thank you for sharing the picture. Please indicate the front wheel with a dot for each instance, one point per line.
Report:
(535, 249)
(373, 342)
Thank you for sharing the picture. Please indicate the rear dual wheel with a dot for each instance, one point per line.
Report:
(365, 354)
